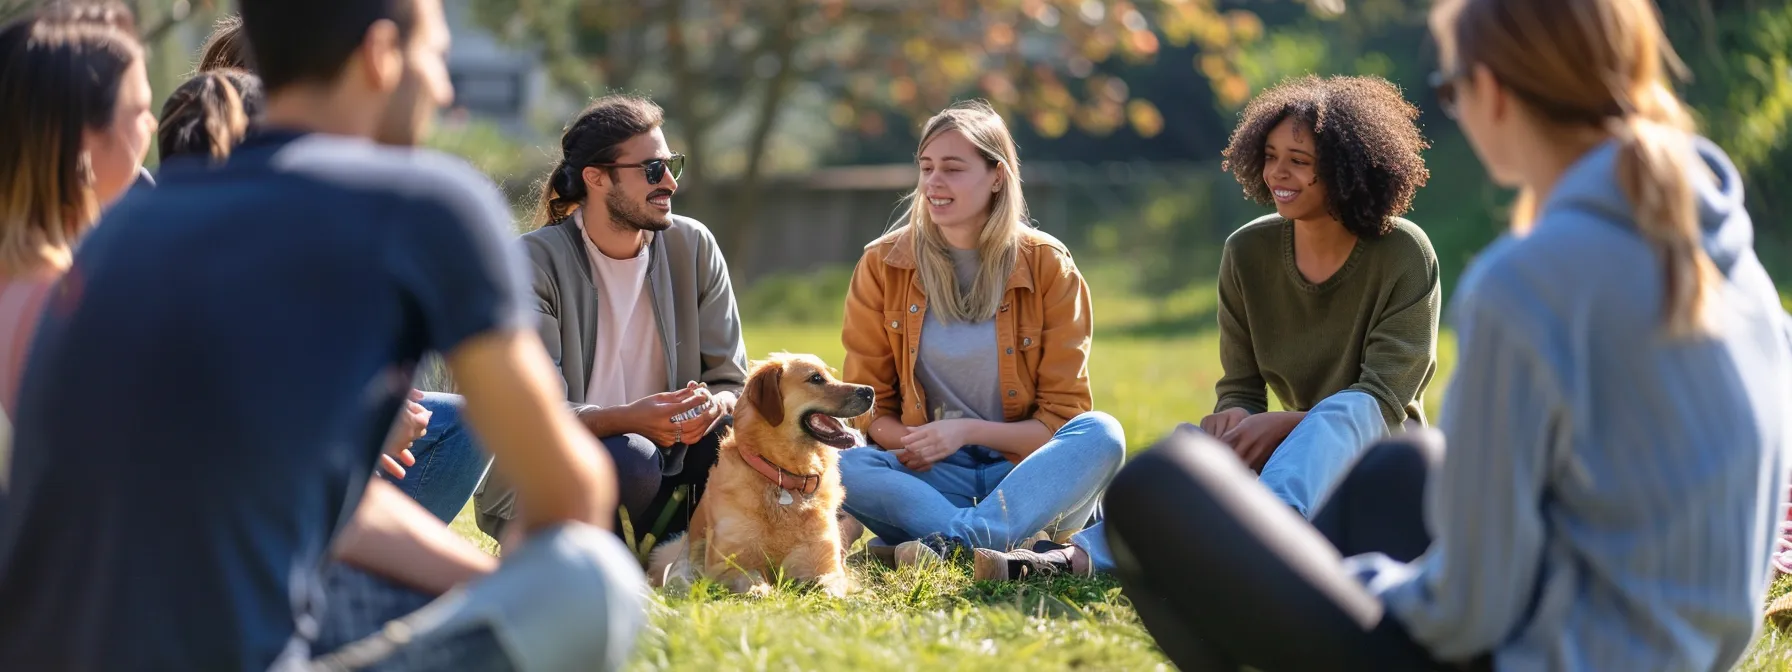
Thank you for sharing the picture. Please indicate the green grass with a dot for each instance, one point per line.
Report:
(1153, 365)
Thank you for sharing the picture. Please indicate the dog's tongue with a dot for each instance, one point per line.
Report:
(829, 430)
(824, 424)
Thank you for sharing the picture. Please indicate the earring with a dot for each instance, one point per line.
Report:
(84, 167)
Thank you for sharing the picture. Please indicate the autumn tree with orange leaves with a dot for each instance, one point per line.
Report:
(741, 65)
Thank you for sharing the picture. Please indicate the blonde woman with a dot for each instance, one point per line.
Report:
(974, 330)
(1616, 426)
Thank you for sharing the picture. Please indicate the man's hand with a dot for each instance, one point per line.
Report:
(693, 429)
(1218, 424)
(651, 416)
(932, 442)
(412, 424)
(1257, 437)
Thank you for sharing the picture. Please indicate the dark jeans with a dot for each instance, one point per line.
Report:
(451, 461)
(650, 477)
(1224, 575)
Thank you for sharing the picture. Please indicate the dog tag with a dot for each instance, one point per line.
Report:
(784, 498)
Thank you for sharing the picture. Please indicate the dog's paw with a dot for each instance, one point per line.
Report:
(835, 585)
(760, 590)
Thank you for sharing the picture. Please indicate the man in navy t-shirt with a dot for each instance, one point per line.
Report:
(212, 384)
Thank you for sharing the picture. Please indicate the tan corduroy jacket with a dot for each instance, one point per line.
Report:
(1043, 332)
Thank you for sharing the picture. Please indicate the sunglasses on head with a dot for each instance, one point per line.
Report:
(1443, 86)
(654, 168)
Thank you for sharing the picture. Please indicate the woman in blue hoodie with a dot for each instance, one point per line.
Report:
(1615, 429)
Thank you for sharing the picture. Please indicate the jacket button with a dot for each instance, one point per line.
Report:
(1011, 351)
(1004, 307)
(1012, 393)
(1026, 342)
(911, 351)
(913, 308)
(895, 325)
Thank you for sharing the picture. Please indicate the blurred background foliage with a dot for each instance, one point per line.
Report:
(1120, 107)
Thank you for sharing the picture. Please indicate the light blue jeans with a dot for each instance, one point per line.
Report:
(1304, 469)
(987, 502)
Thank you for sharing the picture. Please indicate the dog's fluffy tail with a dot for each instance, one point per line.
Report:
(670, 562)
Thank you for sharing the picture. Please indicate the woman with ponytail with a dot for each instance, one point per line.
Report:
(209, 114)
(1616, 427)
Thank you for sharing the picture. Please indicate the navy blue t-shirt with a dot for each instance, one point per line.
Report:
(210, 387)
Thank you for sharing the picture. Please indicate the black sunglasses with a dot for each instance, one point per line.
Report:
(654, 168)
(1443, 86)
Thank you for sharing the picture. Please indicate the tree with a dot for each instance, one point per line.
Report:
(155, 18)
(738, 67)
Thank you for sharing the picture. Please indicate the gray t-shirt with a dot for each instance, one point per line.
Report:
(956, 365)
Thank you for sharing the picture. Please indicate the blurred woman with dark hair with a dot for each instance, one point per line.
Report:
(227, 47)
(75, 124)
(209, 114)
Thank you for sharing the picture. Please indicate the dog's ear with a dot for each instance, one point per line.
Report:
(765, 391)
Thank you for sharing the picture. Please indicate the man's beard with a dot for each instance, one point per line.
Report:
(634, 214)
(399, 125)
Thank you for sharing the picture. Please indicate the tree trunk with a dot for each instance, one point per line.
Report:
(687, 86)
(745, 228)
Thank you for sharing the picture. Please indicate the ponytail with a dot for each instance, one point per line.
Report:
(1602, 65)
(561, 192)
(1655, 168)
(208, 115)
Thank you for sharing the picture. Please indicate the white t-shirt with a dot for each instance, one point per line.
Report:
(628, 362)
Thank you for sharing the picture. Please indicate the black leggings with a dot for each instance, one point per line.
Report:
(1224, 575)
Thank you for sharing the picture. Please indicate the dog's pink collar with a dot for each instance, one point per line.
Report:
(804, 484)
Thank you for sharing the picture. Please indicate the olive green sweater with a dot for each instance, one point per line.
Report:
(1372, 326)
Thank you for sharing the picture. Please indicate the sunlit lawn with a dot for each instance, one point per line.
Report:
(1154, 365)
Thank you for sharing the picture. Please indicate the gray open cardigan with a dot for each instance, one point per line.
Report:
(692, 299)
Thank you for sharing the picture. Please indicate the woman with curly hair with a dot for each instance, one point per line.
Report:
(1331, 302)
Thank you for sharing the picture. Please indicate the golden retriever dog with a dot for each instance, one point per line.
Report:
(774, 494)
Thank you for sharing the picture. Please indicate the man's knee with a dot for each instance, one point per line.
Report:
(638, 476)
(571, 595)
(637, 460)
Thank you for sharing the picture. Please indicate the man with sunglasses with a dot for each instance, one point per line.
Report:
(636, 309)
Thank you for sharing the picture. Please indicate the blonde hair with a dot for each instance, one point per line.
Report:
(1600, 64)
(997, 244)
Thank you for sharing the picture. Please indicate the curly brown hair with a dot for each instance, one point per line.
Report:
(1367, 143)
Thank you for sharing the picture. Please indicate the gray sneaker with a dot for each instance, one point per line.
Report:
(1044, 559)
(933, 548)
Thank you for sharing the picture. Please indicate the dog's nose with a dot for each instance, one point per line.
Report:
(864, 393)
